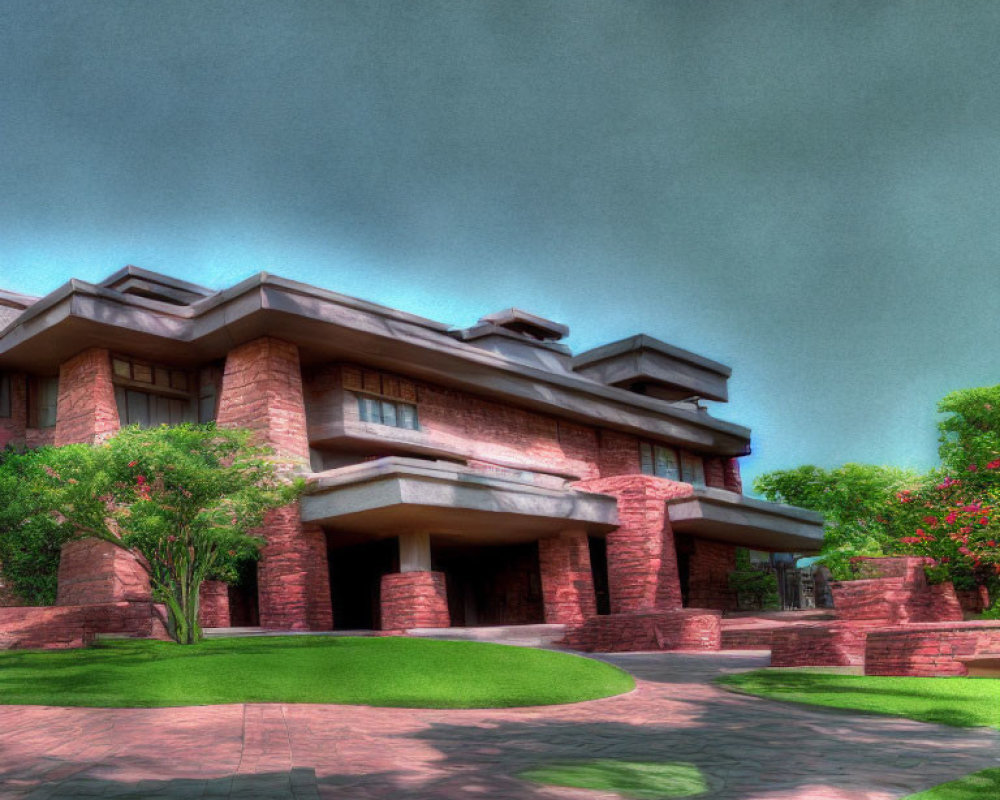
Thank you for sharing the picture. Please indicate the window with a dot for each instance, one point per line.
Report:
(387, 412)
(4, 394)
(663, 462)
(43, 397)
(148, 395)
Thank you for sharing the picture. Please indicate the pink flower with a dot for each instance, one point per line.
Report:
(932, 521)
(966, 530)
(995, 464)
(911, 539)
(972, 467)
(951, 518)
(984, 520)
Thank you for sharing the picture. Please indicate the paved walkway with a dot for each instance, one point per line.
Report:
(748, 749)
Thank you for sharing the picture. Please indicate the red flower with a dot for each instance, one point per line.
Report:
(950, 519)
(995, 464)
(972, 468)
(965, 530)
(132, 463)
(932, 521)
(984, 520)
(911, 539)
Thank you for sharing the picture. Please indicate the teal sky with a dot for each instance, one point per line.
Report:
(807, 192)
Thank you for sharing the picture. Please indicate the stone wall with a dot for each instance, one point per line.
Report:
(930, 649)
(414, 600)
(213, 605)
(567, 581)
(825, 644)
(686, 629)
(262, 391)
(93, 571)
(61, 627)
(708, 576)
(642, 559)
(87, 411)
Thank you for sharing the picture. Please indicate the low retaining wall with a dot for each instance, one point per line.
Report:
(683, 629)
(929, 649)
(825, 644)
(62, 627)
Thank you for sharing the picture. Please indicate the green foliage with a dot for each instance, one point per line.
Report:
(29, 541)
(982, 785)
(185, 499)
(755, 588)
(377, 671)
(970, 434)
(853, 499)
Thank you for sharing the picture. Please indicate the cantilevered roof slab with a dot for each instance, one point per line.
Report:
(736, 519)
(395, 495)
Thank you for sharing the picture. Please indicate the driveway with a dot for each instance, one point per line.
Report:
(747, 749)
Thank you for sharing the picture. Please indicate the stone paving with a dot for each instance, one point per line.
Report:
(747, 749)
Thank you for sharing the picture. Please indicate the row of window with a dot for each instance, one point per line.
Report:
(394, 413)
(149, 409)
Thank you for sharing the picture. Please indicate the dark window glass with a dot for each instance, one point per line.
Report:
(387, 412)
(4, 395)
(693, 468)
(655, 459)
(48, 399)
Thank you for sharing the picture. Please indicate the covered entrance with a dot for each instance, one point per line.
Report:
(415, 543)
(491, 585)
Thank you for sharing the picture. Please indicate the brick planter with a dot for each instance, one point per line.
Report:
(414, 600)
(687, 629)
(929, 649)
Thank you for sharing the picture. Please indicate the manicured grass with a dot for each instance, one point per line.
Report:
(962, 702)
(983, 785)
(642, 780)
(379, 671)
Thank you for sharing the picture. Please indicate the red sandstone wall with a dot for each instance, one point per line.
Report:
(414, 600)
(481, 429)
(292, 575)
(642, 558)
(92, 571)
(687, 629)
(61, 627)
(733, 481)
(827, 644)
(567, 581)
(930, 650)
(87, 411)
(262, 390)
(213, 605)
(708, 579)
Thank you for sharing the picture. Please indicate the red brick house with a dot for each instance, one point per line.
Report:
(464, 477)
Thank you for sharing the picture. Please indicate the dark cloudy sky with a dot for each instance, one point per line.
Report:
(805, 191)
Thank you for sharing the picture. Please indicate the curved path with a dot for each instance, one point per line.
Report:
(747, 749)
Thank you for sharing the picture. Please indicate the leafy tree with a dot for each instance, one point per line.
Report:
(184, 500)
(29, 541)
(855, 500)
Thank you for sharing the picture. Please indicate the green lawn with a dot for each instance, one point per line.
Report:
(962, 702)
(641, 780)
(379, 671)
(950, 701)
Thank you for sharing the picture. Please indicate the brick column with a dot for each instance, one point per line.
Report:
(734, 482)
(86, 410)
(414, 600)
(642, 558)
(93, 571)
(567, 582)
(262, 391)
(213, 605)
